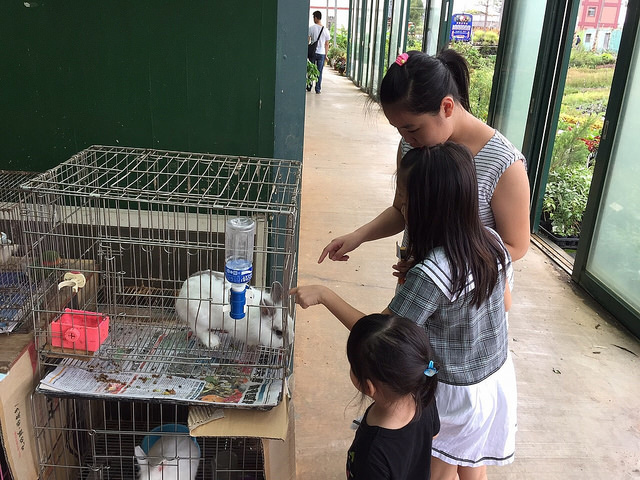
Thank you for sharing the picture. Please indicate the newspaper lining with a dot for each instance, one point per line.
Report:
(231, 376)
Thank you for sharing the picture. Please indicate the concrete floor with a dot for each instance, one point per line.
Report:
(578, 382)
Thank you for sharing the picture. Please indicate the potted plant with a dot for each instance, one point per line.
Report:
(568, 185)
(564, 203)
(340, 64)
(312, 74)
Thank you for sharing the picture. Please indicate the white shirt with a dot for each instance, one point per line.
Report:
(314, 31)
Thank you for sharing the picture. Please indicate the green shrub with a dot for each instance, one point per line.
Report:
(570, 173)
(608, 58)
(480, 92)
(413, 43)
(586, 58)
(478, 36)
(335, 52)
(342, 38)
(481, 77)
(565, 198)
(569, 149)
(340, 48)
(491, 37)
(486, 41)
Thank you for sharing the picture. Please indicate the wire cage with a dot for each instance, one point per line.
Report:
(96, 439)
(119, 232)
(5, 474)
(14, 282)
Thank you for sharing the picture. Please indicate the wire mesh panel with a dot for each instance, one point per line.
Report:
(83, 439)
(121, 234)
(14, 282)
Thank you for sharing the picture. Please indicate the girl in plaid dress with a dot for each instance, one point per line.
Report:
(457, 290)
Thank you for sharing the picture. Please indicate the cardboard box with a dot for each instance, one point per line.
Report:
(275, 427)
(18, 379)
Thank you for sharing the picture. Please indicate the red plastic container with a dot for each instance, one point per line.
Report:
(80, 330)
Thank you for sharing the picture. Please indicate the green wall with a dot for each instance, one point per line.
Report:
(187, 75)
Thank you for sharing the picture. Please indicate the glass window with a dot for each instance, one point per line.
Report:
(355, 40)
(614, 258)
(433, 27)
(591, 12)
(366, 45)
(396, 38)
(380, 36)
(415, 28)
(517, 73)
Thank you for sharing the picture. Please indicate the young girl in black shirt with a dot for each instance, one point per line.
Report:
(391, 362)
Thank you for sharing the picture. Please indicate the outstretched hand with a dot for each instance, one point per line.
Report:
(308, 295)
(339, 247)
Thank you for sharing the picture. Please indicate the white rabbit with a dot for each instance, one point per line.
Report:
(6, 248)
(171, 457)
(200, 305)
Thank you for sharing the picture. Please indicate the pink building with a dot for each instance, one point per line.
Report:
(598, 14)
(600, 23)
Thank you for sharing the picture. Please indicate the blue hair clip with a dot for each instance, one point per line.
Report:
(431, 370)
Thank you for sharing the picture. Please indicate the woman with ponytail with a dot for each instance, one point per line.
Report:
(457, 290)
(427, 99)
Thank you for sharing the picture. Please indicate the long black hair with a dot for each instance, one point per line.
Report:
(441, 194)
(394, 351)
(420, 84)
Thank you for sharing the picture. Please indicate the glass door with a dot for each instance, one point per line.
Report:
(609, 266)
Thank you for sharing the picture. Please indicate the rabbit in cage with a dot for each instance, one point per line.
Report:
(171, 457)
(260, 326)
(7, 248)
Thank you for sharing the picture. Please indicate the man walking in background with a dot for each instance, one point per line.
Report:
(320, 35)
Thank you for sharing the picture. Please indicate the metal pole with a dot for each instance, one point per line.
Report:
(594, 47)
(335, 21)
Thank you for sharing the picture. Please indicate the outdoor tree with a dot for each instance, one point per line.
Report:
(488, 7)
(416, 13)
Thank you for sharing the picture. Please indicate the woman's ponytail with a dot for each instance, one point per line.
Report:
(459, 69)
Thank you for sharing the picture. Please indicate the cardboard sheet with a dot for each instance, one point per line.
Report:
(205, 421)
(16, 422)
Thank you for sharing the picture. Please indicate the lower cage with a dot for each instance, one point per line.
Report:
(88, 439)
(5, 474)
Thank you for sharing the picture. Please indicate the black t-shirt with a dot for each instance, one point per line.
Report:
(405, 454)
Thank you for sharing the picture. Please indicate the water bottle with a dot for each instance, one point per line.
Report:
(238, 267)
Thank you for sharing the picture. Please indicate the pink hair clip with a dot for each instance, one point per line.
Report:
(402, 59)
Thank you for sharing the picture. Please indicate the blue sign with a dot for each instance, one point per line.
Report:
(461, 24)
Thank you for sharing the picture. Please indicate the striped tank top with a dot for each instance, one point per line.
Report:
(491, 162)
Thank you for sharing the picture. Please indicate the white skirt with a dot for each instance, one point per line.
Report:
(478, 422)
